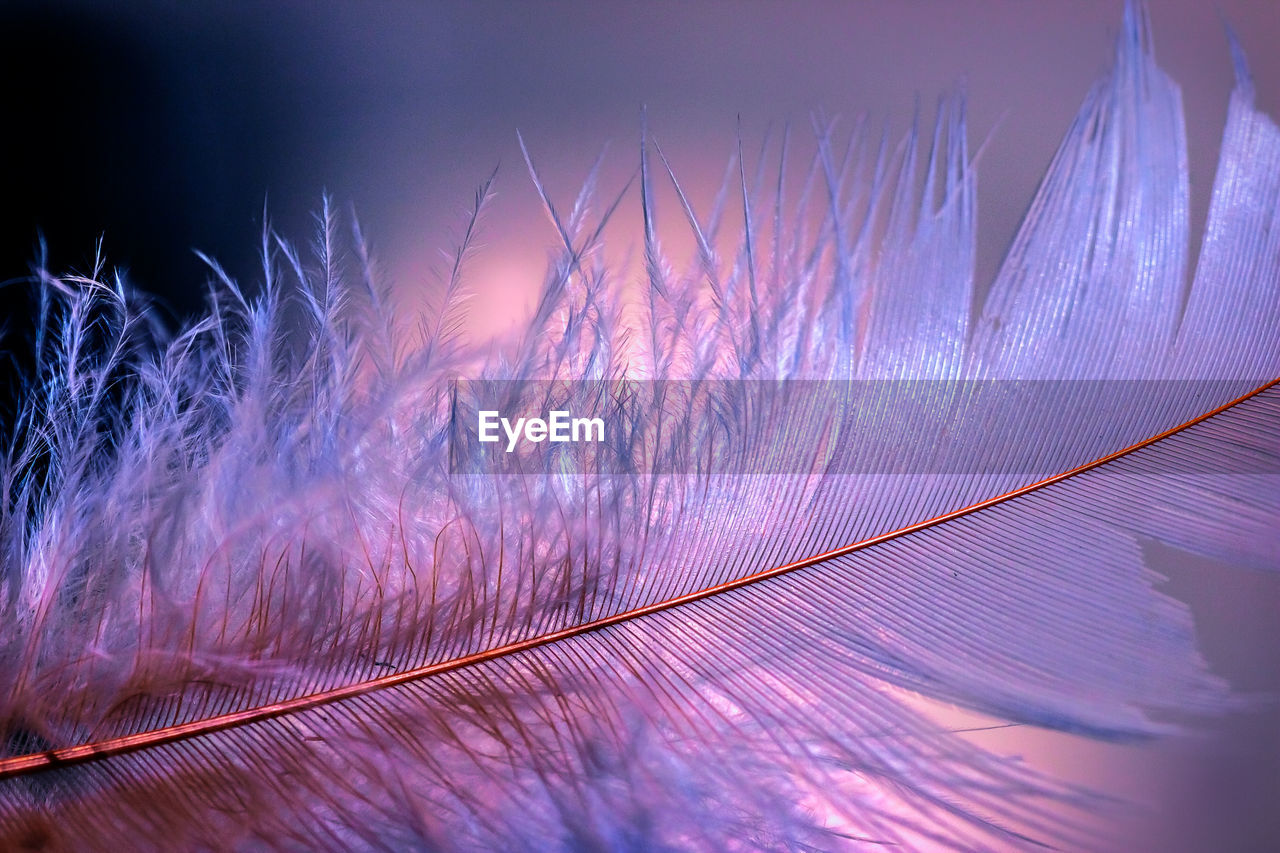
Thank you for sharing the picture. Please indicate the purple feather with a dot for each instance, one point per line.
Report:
(264, 586)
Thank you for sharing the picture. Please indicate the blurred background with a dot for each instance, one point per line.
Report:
(168, 127)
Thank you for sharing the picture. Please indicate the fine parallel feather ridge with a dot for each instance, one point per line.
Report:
(1113, 207)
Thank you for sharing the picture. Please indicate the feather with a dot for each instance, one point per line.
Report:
(265, 588)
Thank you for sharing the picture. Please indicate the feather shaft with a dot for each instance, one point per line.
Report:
(21, 764)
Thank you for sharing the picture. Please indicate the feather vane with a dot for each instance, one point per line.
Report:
(259, 590)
